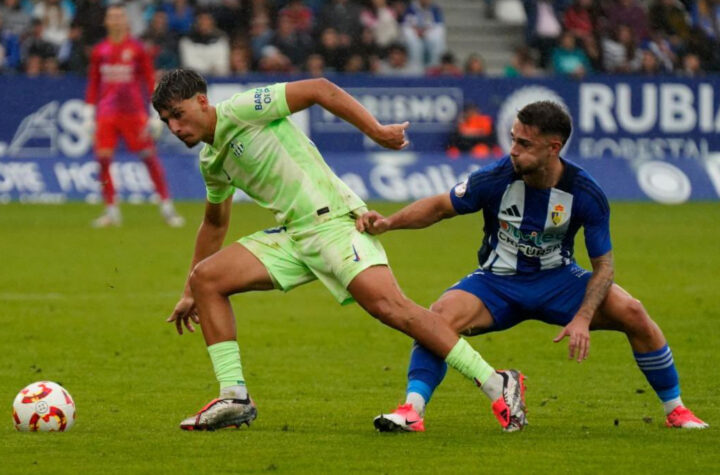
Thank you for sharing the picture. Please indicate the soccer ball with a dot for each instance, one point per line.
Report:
(43, 406)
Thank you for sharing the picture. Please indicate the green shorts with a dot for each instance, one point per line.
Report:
(333, 251)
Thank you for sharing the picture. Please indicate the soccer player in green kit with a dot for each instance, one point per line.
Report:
(251, 144)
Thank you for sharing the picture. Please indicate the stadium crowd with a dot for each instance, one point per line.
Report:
(384, 37)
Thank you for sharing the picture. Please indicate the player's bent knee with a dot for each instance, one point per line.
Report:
(200, 278)
(636, 319)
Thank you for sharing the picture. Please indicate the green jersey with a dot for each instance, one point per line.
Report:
(257, 149)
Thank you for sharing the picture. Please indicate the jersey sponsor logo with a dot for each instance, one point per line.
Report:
(558, 214)
(261, 97)
(238, 148)
(117, 73)
(460, 189)
(514, 234)
(528, 249)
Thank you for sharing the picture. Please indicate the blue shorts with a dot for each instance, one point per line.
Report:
(552, 296)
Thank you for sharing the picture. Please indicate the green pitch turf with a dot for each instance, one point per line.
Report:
(86, 308)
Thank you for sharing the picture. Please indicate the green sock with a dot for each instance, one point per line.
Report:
(465, 359)
(225, 358)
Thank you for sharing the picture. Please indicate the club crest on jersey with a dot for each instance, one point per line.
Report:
(237, 148)
(558, 214)
(126, 55)
(460, 189)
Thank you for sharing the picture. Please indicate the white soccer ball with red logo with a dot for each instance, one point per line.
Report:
(43, 406)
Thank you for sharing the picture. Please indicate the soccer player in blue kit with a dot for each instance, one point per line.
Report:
(533, 204)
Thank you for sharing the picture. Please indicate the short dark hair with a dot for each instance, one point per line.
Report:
(549, 117)
(177, 85)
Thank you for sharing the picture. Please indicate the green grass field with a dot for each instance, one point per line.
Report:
(86, 308)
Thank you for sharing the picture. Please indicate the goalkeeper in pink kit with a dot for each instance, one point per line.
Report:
(121, 81)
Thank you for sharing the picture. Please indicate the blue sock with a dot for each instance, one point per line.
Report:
(659, 369)
(425, 372)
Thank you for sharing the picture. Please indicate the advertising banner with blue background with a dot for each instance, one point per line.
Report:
(641, 138)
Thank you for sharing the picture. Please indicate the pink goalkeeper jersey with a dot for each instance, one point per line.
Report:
(121, 78)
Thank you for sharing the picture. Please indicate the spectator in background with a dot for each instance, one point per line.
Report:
(631, 14)
(16, 18)
(300, 15)
(274, 61)
(474, 133)
(256, 8)
(230, 17)
(691, 66)
(344, 17)
(10, 46)
(332, 50)
(568, 59)
(447, 67)
(181, 16)
(139, 13)
(543, 27)
(72, 56)
(35, 48)
(579, 20)
(705, 15)
(424, 32)
(56, 16)
(295, 45)
(90, 17)
(381, 20)
(315, 65)
(474, 65)
(366, 47)
(649, 65)
(206, 49)
(522, 64)
(397, 63)
(51, 66)
(355, 64)
(261, 34)
(669, 18)
(33, 65)
(240, 58)
(161, 43)
(620, 53)
(662, 49)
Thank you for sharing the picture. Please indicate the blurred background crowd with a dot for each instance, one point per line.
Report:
(383, 37)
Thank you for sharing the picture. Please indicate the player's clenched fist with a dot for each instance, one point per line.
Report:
(372, 222)
(392, 136)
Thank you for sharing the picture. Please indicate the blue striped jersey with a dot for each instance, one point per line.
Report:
(529, 229)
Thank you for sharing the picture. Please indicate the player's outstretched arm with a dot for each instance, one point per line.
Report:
(303, 94)
(209, 240)
(420, 214)
(578, 330)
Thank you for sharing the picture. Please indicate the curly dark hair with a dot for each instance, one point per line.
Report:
(177, 85)
(550, 118)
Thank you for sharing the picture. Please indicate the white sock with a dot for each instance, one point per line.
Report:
(238, 391)
(417, 401)
(112, 211)
(493, 387)
(167, 207)
(670, 405)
